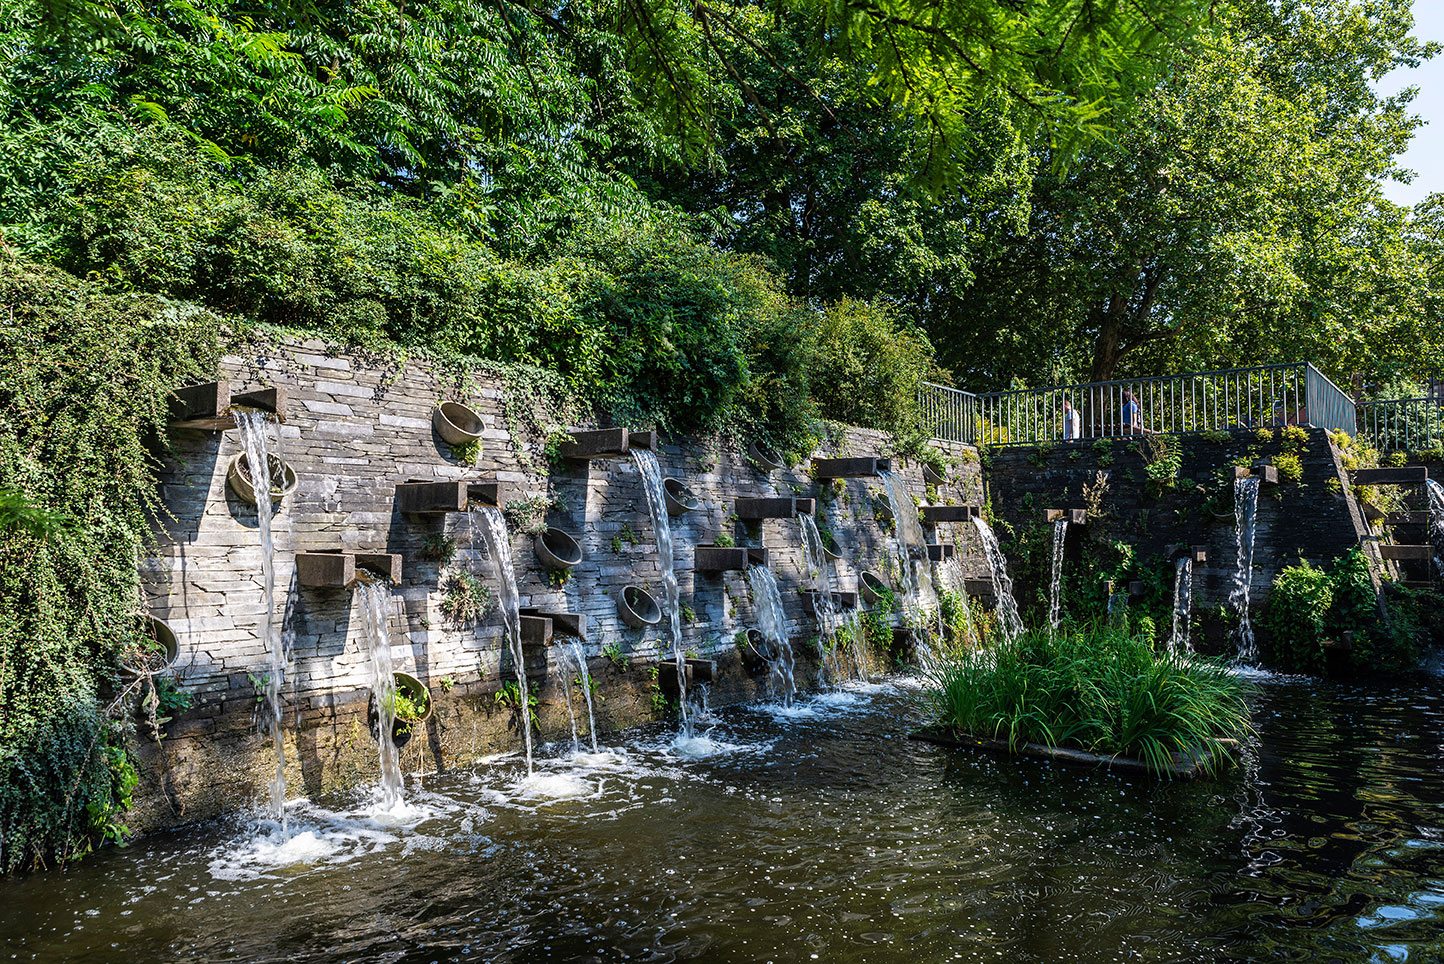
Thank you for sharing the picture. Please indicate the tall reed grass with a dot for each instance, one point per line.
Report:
(1095, 688)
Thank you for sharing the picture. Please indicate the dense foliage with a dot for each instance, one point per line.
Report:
(1309, 606)
(84, 382)
(1101, 689)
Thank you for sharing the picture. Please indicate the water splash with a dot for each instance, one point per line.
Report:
(824, 586)
(584, 677)
(375, 596)
(1008, 619)
(252, 426)
(1055, 586)
(671, 596)
(1180, 643)
(771, 622)
(498, 545)
(1245, 514)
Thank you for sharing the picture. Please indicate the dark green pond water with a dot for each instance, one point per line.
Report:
(823, 835)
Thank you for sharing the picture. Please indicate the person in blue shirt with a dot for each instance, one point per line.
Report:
(1132, 415)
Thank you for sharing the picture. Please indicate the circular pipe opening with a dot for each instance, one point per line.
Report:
(637, 607)
(557, 549)
(871, 585)
(456, 423)
(679, 497)
(158, 650)
(283, 478)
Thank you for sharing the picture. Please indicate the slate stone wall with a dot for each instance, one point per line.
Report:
(354, 428)
(1316, 519)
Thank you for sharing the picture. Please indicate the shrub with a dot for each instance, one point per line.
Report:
(1099, 689)
(1290, 467)
(869, 366)
(1298, 605)
(84, 382)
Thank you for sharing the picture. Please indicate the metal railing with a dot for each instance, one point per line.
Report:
(1240, 398)
(1412, 424)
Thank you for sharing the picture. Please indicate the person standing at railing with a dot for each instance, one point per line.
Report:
(1132, 415)
(1072, 422)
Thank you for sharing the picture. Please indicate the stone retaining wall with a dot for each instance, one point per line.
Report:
(354, 428)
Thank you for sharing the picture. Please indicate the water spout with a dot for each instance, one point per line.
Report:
(375, 596)
(252, 426)
(1008, 619)
(1245, 513)
(914, 575)
(771, 622)
(671, 596)
(1435, 492)
(580, 655)
(1180, 643)
(1060, 535)
(498, 545)
(823, 582)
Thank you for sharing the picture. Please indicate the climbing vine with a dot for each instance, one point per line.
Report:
(84, 382)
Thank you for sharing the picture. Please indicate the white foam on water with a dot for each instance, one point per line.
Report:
(553, 786)
(704, 746)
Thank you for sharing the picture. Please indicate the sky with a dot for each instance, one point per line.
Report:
(1426, 151)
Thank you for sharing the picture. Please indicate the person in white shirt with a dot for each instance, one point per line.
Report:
(1072, 421)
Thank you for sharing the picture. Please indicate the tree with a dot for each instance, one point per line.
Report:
(1239, 219)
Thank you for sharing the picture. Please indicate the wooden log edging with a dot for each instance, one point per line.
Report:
(1184, 767)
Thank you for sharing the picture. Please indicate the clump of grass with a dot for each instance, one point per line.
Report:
(1100, 689)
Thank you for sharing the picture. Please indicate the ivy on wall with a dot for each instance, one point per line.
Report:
(84, 381)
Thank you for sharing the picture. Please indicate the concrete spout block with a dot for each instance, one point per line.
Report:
(1399, 475)
(602, 443)
(1074, 517)
(851, 468)
(387, 565)
(431, 498)
(1266, 474)
(642, 440)
(536, 631)
(209, 406)
(325, 570)
(667, 676)
(979, 587)
(719, 558)
(756, 556)
(935, 514)
(1406, 553)
(772, 507)
(563, 624)
(1178, 550)
(941, 553)
(702, 670)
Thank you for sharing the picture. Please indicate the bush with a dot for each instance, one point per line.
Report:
(1298, 605)
(85, 378)
(869, 366)
(1098, 689)
(644, 322)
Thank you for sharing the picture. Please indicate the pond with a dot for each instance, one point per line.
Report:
(815, 833)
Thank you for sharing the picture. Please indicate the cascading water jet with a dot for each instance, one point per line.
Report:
(771, 622)
(1008, 619)
(252, 426)
(497, 537)
(1245, 513)
(375, 596)
(671, 597)
(1055, 585)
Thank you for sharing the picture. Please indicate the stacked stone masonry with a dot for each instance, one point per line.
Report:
(353, 429)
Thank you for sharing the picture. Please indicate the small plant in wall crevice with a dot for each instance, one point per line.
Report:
(466, 599)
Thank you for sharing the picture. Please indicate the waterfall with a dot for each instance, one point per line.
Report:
(1245, 512)
(580, 655)
(915, 577)
(823, 582)
(771, 622)
(252, 425)
(564, 678)
(950, 578)
(1179, 642)
(1436, 522)
(375, 596)
(671, 601)
(498, 546)
(1008, 618)
(1060, 534)
(1117, 609)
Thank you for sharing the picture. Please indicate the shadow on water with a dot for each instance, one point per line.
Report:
(816, 830)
